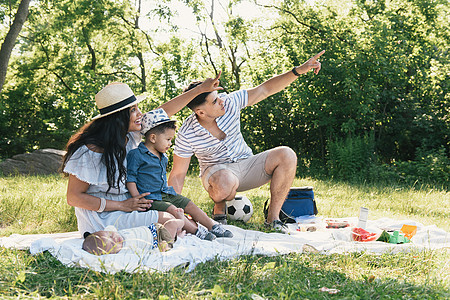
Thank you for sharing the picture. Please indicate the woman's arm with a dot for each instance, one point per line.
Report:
(176, 104)
(77, 196)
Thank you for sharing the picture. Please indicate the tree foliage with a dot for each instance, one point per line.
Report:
(67, 53)
(385, 72)
(383, 87)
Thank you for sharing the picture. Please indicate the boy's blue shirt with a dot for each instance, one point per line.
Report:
(148, 172)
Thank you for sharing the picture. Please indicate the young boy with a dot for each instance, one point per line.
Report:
(146, 172)
(138, 239)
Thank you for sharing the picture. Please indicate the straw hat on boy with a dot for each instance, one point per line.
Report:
(154, 118)
(115, 97)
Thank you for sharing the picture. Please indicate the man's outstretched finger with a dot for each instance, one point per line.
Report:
(318, 54)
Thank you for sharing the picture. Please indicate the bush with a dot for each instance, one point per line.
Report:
(351, 158)
(430, 167)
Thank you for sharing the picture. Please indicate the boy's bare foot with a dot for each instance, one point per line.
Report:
(179, 213)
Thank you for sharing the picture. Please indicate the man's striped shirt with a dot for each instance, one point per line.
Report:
(193, 138)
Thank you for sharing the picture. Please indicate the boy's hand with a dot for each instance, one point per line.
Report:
(137, 203)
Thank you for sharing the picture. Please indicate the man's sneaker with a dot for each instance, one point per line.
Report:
(278, 226)
(219, 231)
(220, 218)
(203, 234)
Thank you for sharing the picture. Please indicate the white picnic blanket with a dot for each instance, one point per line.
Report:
(190, 251)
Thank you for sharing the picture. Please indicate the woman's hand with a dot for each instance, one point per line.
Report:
(138, 203)
(176, 104)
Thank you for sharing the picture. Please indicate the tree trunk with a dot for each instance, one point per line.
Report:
(10, 39)
(143, 76)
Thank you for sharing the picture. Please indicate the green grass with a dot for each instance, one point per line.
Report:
(37, 205)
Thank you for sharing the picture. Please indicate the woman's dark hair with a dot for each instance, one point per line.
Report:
(108, 135)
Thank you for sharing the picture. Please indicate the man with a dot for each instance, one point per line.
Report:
(227, 164)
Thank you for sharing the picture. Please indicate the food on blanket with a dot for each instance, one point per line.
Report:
(332, 223)
(384, 237)
(398, 238)
(393, 237)
(307, 227)
(361, 235)
(409, 230)
(240, 208)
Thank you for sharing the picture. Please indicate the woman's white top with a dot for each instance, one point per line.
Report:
(86, 165)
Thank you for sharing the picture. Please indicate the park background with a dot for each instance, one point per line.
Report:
(378, 109)
(371, 129)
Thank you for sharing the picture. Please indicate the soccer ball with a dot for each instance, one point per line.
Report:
(239, 209)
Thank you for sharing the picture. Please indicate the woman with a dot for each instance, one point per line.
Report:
(95, 160)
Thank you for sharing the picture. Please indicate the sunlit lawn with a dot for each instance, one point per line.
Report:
(37, 205)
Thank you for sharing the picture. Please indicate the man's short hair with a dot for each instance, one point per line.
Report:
(161, 128)
(200, 99)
